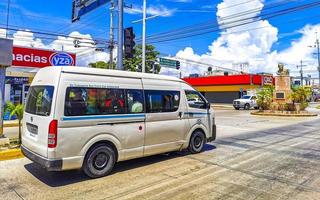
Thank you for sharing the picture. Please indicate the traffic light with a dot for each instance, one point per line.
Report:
(178, 65)
(129, 43)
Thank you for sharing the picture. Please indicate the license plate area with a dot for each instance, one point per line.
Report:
(32, 128)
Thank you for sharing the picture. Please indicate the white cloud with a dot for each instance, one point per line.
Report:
(85, 54)
(2, 33)
(26, 38)
(239, 44)
(299, 49)
(251, 43)
(160, 10)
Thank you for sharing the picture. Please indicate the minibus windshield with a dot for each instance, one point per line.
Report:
(39, 100)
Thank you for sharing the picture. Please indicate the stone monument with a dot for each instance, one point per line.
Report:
(282, 85)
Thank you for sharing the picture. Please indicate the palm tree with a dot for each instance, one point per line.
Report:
(16, 110)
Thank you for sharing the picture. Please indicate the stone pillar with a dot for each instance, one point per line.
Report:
(282, 89)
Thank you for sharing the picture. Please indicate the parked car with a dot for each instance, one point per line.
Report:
(246, 102)
(316, 97)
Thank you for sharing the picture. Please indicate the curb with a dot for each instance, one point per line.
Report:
(11, 154)
(9, 125)
(222, 107)
(283, 115)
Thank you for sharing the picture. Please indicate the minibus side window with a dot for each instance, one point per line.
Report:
(162, 101)
(195, 99)
(94, 101)
(135, 101)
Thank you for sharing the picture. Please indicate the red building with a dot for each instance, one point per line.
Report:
(224, 89)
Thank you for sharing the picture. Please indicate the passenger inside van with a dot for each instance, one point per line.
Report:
(135, 101)
(77, 105)
(114, 103)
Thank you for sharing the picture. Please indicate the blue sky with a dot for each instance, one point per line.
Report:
(55, 16)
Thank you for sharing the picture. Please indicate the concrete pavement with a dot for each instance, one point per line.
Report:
(253, 158)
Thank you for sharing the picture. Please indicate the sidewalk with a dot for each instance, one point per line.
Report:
(10, 123)
(222, 106)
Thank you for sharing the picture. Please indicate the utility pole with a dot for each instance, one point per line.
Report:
(144, 36)
(317, 45)
(111, 46)
(318, 54)
(301, 71)
(120, 35)
(8, 15)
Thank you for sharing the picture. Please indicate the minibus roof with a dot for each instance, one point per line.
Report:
(117, 73)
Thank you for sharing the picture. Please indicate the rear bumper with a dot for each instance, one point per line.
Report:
(214, 134)
(50, 165)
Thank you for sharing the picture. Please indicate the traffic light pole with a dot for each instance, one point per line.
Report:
(120, 35)
(111, 34)
(144, 36)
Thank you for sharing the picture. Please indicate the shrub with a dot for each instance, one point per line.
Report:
(301, 95)
(282, 106)
(290, 107)
(264, 97)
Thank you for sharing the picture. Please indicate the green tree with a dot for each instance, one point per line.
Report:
(16, 110)
(301, 95)
(264, 97)
(135, 63)
(102, 65)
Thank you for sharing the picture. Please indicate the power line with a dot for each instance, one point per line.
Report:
(210, 24)
(252, 20)
(56, 35)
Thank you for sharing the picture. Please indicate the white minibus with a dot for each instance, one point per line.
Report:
(78, 117)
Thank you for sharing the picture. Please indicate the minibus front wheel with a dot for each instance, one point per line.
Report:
(99, 161)
(197, 142)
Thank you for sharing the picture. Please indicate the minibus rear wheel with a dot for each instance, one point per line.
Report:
(197, 142)
(99, 161)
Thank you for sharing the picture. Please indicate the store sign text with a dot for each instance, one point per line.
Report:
(32, 57)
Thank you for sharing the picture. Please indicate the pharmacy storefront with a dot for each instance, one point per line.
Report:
(26, 63)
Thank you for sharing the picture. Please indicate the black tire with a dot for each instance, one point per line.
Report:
(197, 142)
(237, 108)
(247, 106)
(99, 161)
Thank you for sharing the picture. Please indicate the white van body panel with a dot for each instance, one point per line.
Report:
(129, 142)
(39, 142)
(133, 135)
(165, 131)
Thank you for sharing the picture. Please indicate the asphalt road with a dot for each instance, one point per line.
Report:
(253, 158)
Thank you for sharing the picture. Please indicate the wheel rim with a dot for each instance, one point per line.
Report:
(197, 142)
(100, 161)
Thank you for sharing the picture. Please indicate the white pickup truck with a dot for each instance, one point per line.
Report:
(246, 102)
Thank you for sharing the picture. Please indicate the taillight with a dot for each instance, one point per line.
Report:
(52, 134)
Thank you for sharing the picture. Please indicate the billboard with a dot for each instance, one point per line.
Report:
(32, 57)
(82, 7)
